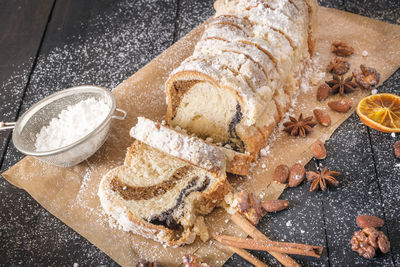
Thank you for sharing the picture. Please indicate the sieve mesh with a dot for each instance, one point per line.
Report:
(39, 115)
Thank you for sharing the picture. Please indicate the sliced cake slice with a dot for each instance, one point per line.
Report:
(187, 148)
(162, 197)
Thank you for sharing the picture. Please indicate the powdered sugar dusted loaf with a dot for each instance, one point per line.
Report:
(244, 72)
(232, 91)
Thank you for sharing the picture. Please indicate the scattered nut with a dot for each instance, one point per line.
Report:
(396, 148)
(365, 221)
(323, 91)
(322, 117)
(372, 235)
(281, 173)
(367, 241)
(275, 205)
(255, 204)
(296, 175)
(341, 49)
(340, 105)
(367, 78)
(338, 66)
(359, 243)
(250, 206)
(383, 242)
(318, 149)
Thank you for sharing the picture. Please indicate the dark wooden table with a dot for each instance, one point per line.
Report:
(48, 45)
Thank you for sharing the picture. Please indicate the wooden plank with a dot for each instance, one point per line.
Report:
(22, 27)
(98, 42)
(192, 13)
(386, 10)
(388, 173)
(349, 152)
(338, 4)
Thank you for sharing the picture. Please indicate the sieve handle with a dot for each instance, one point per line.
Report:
(6, 125)
(120, 117)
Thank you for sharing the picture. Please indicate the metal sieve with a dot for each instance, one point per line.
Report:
(41, 113)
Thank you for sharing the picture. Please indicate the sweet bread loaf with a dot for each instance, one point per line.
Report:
(191, 149)
(162, 197)
(238, 84)
(244, 72)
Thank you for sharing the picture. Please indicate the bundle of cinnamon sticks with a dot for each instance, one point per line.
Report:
(259, 241)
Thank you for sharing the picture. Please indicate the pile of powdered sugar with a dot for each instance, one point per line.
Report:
(73, 123)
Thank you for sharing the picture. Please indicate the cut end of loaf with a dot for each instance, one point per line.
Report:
(205, 109)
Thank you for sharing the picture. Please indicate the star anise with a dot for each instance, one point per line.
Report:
(342, 85)
(300, 126)
(322, 179)
(338, 66)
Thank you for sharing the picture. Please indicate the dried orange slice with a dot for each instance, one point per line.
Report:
(381, 112)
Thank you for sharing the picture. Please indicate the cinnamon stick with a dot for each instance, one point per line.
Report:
(244, 254)
(248, 256)
(283, 247)
(252, 231)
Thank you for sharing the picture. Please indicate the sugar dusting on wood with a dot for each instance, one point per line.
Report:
(305, 206)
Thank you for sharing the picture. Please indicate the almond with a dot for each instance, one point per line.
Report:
(281, 173)
(322, 117)
(297, 174)
(318, 150)
(323, 91)
(396, 148)
(340, 105)
(365, 221)
(275, 205)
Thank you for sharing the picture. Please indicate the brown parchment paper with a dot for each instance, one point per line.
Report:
(70, 194)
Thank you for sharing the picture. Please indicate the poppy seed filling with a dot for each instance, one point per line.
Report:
(167, 218)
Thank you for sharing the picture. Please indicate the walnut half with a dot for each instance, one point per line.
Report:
(367, 78)
(367, 241)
